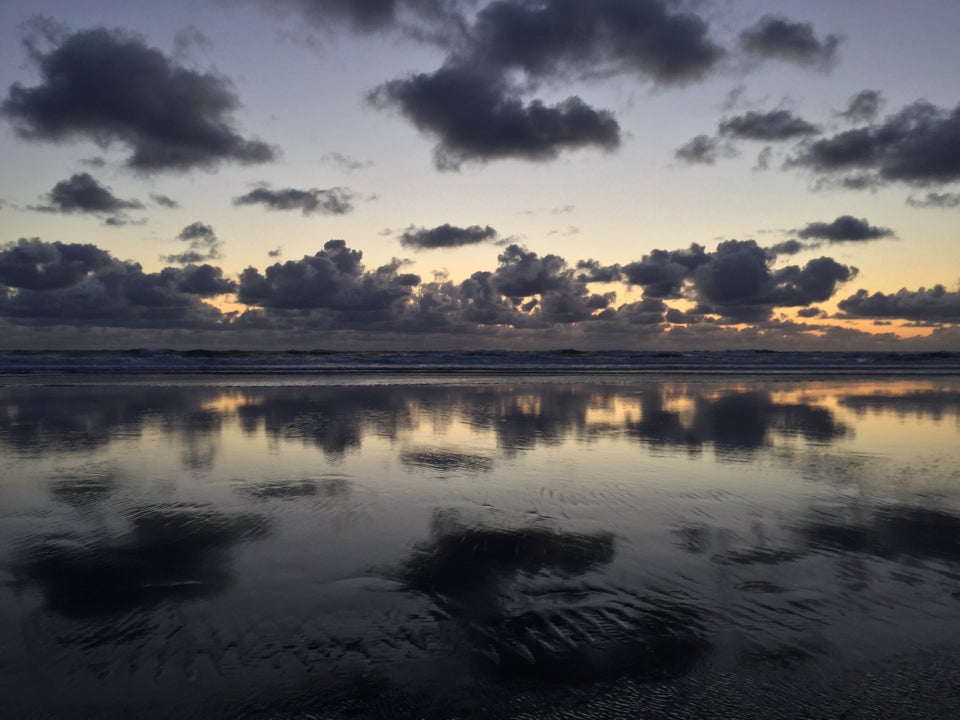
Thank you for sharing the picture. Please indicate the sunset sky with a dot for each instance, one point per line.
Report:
(698, 174)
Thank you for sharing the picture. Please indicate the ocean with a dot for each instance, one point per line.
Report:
(165, 361)
(479, 535)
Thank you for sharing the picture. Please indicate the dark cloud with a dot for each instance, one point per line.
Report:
(334, 201)
(81, 193)
(700, 150)
(477, 117)
(523, 273)
(787, 247)
(200, 280)
(476, 105)
(582, 37)
(845, 228)
(920, 145)
(445, 236)
(333, 279)
(92, 87)
(935, 304)
(772, 126)
(810, 312)
(736, 281)
(203, 245)
(863, 107)
(649, 311)
(31, 264)
(526, 290)
(81, 285)
(778, 38)
(43, 284)
(164, 200)
(197, 231)
(593, 271)
(662, 273)
(935, 200)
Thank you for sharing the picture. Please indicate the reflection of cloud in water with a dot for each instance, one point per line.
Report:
(443, 460)
(521, 598)
(79, 419)
(735, 420)
(931, 403)
(291, 489)
(84, 487)
(337, 419)
(333, 419)
(170, 553)
(889, 532)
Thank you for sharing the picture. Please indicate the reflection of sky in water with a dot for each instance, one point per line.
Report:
(454, 547)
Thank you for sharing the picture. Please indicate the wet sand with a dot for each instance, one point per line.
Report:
(588, 546)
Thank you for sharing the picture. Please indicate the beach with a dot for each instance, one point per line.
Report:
(480, 545)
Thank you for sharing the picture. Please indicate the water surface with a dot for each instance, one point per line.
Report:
(480, 547)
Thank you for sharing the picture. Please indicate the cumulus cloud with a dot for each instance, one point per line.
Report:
(863, 107)
(446, 236)
(477, 117)
(81, 193)
(333, 279)
(525, 291)
(845, 228)
(32, 264)
(203, 245)
(334, 201)
(593, 271)
(935, 200)
(524, 295)
(81, 285)
(778, 38)
(736, 281)
(91, 88)
(772, 126)
(662, 273)
(554, 38)
(920, 145)
(476, 104)
(923, 305)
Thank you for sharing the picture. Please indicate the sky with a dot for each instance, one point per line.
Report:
(471, 174)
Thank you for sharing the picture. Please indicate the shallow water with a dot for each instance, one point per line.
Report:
(478, 547)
